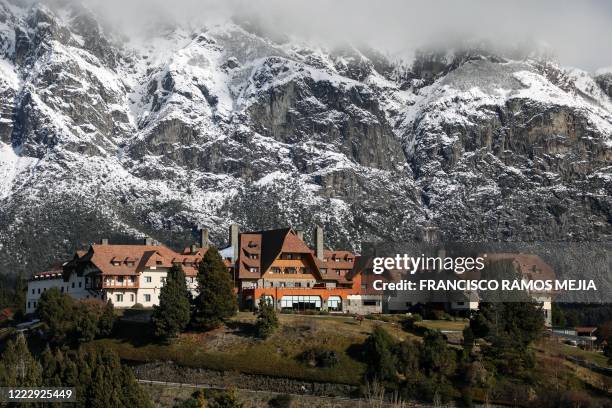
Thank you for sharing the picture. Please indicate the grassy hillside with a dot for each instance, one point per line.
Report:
(235, 347)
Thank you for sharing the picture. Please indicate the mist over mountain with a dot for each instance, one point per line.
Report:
(112, 129)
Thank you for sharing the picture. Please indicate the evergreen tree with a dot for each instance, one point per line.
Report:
(379, 352)
(267, 320)
(172, 315)
(510, 328)
(216, 301)
(17, 367)
(436, 358)
(107, 320)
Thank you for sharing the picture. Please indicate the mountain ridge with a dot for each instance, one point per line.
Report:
(220, 125)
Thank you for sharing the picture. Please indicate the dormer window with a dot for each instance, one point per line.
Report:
(254, 256)
(252, 244)
(324, 271)
(158, 262)
(254, 270)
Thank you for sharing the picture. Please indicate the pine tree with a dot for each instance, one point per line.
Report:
(107, 320)
(267, 320)
(172, 314)
(18, 367)
(216, 301)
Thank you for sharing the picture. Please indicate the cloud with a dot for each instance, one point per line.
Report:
(578, 32)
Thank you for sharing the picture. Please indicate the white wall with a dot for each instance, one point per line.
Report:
(147, 294)
(75, 287)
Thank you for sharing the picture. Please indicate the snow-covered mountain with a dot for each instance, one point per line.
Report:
(107, 135)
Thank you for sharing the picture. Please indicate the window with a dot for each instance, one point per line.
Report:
(80, 284)
(61, 289)
(300, 302)
(33, 291)
(324, 271)
(147, 298)
(254, 256)
(28, 305)
(163, 280)
(275, 270)
(338, 272)
(148, 279)
(131, 297)
(370, 303)
(251, 269)
(460, 303)
(334, 303)
(72, 285)
(158, 262)
(39, 291)
(119, 297)
(120, 280)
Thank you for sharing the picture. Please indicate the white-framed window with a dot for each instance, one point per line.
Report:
(119, 297)
(147, 298)
(131, 297)
(148, 279)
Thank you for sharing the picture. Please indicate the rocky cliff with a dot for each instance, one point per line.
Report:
(107, 135)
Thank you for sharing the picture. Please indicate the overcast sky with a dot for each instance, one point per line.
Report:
(578, 32)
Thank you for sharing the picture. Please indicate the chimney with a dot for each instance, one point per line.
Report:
(318, 242)
(233, 238)
(104, 241)
(300, 234)
(204, 238)
(148, 241)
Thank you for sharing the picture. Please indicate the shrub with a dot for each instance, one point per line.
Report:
(317, 357)
(281, 401)
(379, 353)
